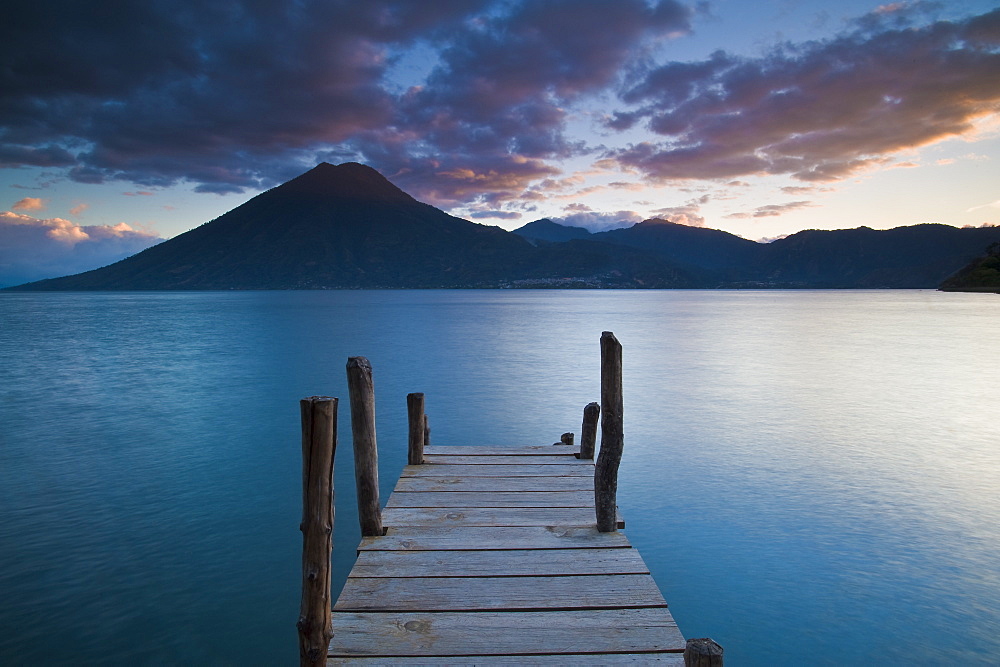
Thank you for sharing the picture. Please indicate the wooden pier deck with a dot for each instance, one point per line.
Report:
(491, 555)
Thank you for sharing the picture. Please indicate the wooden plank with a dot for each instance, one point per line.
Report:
(576, 469)
(492, 499)
(491, 450)
(512, 563)
(500, 459)
(438, 538)
(489, 516)
(618, 591)
(513, 634)
(669, 659)
(433, 483)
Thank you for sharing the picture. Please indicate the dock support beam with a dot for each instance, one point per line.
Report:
(612, 434)
(702, 653)
(418, 428)
(362, 392)
(319, 442)
(588, 432)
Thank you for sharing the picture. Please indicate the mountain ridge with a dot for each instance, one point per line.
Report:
(348, 227)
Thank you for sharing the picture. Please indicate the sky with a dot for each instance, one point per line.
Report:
(126, 122)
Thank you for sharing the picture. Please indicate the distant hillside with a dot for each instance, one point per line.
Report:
(720, 254)
(919, 256)
(346, 227)
(980, 275)
(552, 232)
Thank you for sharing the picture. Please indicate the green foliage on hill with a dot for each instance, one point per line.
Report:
(980, 275)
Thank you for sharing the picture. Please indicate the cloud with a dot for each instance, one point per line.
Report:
(28, 204)
(682, 215)
(156, 93)
(78, 209)
(161, 93)
(600, 222)
(34, 248)
(141, 193)
(820, 111)
(773, 210)
(501, 215)
(992, 204)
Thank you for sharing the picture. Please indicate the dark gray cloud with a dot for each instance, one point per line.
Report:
(232, 95)
(228, 95)
(235, 95)
(819, 111)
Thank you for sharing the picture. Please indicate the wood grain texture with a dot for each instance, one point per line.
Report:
(582, 498)
(571, 468)
(319, 444)
(612, 434)
(501, 450)
(671, 659)
(512, 563)
(619, 591)
(417, 423)
(487, 516)
(576, 633)
(502, 459)
(361, 388)
(588, 430)
(493, 556)
(437, 538)
(434, 483)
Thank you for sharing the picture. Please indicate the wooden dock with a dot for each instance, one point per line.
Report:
(492, 554)
(483, 554)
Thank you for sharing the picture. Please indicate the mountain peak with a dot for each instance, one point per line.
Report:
(349, 180)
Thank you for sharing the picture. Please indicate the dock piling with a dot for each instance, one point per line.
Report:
(588, 432)
(362, 393)
(319, 443)
(612, 438)
(418, 428)
(704, 652)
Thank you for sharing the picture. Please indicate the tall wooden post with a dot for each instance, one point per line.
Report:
(319, 442)
(417, 421)
(588, 432)
(427, 432)
(362, 392)
(612, 435)
(703, 652)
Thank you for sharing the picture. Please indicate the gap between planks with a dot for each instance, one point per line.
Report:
(511, 563)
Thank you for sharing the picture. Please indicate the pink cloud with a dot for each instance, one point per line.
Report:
(821, 111)
(28, 204)
(35, 248)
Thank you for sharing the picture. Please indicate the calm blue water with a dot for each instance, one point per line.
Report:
(812, 477)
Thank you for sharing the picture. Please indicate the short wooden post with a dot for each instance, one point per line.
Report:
(588, 432)
(362, 392)
(427, 432)
(702, 653)
(319, 442)
(415, 412)
(567, 439)
(612, 435)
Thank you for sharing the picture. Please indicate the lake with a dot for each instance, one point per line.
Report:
(813, 477)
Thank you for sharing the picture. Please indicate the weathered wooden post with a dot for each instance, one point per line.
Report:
(362, 392)
(588, 432)
(319, 442)
(612, 434)
(418, 425)
(702, 653)
(427, 432)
